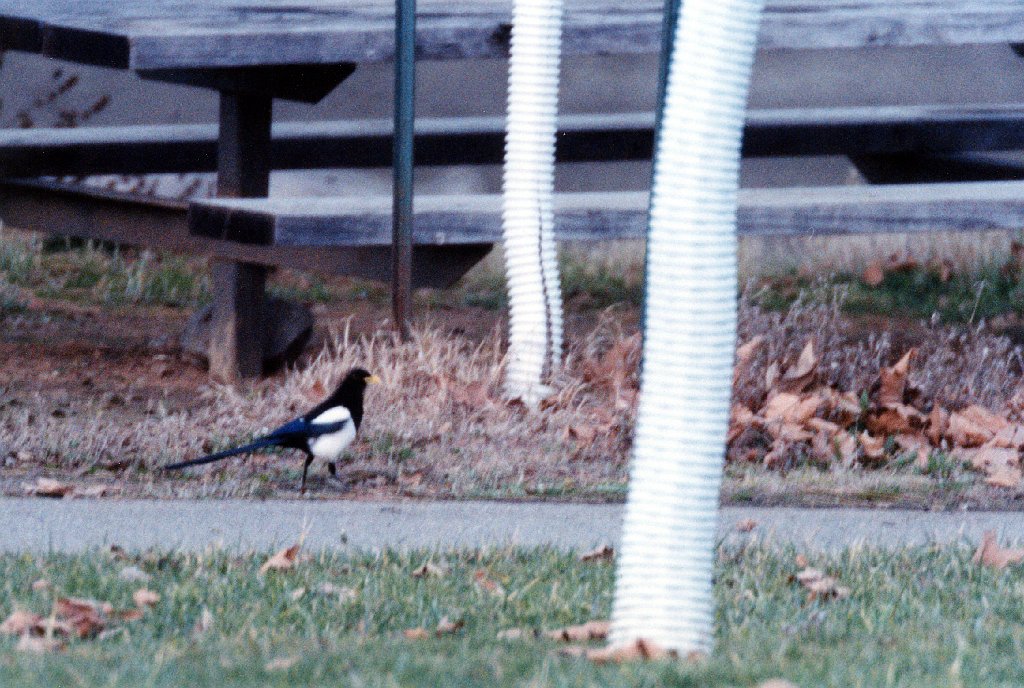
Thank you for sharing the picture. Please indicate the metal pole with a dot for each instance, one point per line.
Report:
(405, 91)
(669, 19)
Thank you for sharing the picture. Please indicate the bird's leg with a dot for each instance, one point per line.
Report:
(305, 469)
(332, 468)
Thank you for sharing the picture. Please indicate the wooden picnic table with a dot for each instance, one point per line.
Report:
(255, 51)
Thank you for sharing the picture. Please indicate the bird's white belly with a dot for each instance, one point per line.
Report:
(330, 447)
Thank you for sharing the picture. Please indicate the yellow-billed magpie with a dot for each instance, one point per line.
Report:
(323, 433)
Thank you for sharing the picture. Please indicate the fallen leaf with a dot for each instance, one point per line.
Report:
(778, 454)
(591, 630)
(801, 561)
(446, 627)
(637, 650)
(19, 622)
(893, 380)
(41, 584)
(428, 570)
(47, 487)
(895, 419)
(128, 615)
(144, 597)
(746, 525)
(938, 424)
(583, 434)
(965, 431)
(873, 274)
(800, 375)
(1001, 465)
(281, 664)
(745, 356)
(790, 408)
(86, 617)
(1012, 436)
(282, 560)
(873, 447)
(416, 633)
(776, 683)
(981, 416)
(771, 375)
(599, 553)
(820, 586)
(296, 594)
(845, 409)
(991, 554)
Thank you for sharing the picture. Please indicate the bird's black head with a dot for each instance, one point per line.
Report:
(350, 392)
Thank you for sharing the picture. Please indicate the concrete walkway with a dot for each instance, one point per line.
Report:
(39, 525)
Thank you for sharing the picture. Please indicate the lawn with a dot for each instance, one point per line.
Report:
(919, 617)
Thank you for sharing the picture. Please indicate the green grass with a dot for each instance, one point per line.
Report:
(984, 292)
(919, 617)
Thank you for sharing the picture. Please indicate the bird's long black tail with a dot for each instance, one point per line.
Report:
(258, 444)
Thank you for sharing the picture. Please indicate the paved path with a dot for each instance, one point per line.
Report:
(34, 524)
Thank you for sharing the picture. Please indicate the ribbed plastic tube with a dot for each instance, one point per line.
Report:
(663, 589)
(531, 261)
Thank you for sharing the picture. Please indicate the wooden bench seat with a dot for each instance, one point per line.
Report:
(850, 131)
(476, 219)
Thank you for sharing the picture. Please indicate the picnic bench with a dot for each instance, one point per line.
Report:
(253, 52)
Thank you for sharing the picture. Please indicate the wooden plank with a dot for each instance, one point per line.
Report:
(447, 220)
(70, 210)
(185, 34)
(480, 140)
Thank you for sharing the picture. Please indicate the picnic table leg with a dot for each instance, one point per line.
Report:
(243, 171)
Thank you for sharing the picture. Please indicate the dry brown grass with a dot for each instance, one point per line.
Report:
(440, 427)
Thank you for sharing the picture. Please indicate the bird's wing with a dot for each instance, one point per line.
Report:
(304, 428)
(328, 421)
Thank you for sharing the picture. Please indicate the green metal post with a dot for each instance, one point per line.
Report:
(405, 91)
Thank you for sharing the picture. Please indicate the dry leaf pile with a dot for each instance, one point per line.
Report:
(72, 617)
(801, 419)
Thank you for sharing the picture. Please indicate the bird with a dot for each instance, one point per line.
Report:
(322, 433)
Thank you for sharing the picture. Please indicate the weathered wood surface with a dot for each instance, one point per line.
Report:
(480, 140)
(180, 34)
(52, 208)
(446, 220)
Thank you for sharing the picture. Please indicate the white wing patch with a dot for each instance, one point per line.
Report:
(332, 415)
(331, 446)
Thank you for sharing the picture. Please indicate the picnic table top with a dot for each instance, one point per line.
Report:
(192, 34)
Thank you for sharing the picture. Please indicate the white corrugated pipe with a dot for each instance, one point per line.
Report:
(535, 298)
(663, 589)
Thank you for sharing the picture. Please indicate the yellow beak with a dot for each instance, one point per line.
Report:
(372, 380)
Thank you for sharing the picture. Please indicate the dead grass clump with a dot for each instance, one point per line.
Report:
(956, 365)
